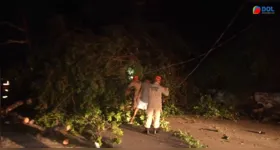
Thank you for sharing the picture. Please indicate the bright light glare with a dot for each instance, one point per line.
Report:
(130, 77)
(130, 71)
(6, 90)
(96, 145)
(4, 96)
(7, 83)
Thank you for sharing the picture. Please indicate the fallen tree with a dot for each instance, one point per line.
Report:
(82, 80)
(15, 105)
(58, 132)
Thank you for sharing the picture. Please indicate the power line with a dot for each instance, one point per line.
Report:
(213, 48)
(192, 59)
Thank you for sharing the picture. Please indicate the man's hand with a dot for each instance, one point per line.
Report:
(127, 92)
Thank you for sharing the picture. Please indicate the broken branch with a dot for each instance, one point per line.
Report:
(12, 107)
(24, 120)
(14, 42)
(15, 105)
(12, 25)
(59, 133)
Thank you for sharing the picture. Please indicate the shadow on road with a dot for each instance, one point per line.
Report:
(162, 137)
(31, 138)
(18, 132)
(26, 141)
(20, 138)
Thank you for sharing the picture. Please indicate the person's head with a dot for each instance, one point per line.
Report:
(135, 78)
(147, 80)
(157, 79)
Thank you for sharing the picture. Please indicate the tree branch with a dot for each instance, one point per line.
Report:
(12, 25)
(14, 42)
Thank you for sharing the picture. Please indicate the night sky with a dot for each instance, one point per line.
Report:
(199, 22)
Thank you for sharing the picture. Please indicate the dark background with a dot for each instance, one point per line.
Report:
(200, 23)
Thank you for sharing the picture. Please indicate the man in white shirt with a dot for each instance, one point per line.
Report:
(142, 102)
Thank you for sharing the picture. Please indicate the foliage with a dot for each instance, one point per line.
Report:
(91, 123)
(170, 109)
(189, 139)
(164, 124)
(82, 83)
(210, 108)
(50, 119)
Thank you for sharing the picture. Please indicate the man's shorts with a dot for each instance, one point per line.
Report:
(142, 105)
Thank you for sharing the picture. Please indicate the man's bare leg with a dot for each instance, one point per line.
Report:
(134, 114)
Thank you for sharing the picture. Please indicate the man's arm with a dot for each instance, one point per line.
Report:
(131, 84)
(139, 94)
(165, 91)
(127, 91)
